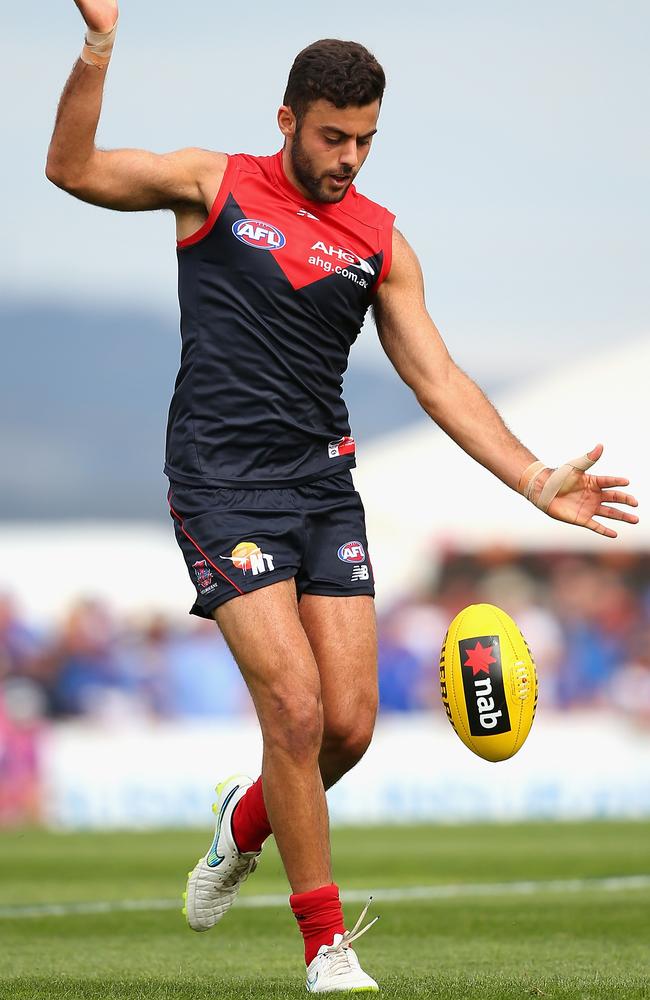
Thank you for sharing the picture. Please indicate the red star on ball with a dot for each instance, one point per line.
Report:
(479, 659)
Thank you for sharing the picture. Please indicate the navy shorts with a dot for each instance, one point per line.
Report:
(239, 540)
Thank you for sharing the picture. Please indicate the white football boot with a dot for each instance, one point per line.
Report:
(215, 880)
(336, 967)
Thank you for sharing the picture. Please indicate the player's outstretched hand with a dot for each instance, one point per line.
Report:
(583, 497)
(99, 15)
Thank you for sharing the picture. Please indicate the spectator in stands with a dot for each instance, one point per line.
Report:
(19, 770)
(202, 680)
(630, 688)
(89, 674)
(405, 678)
(592, 648)
(514, 590)
(19, 644)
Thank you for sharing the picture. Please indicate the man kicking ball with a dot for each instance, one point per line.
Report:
(279, 259)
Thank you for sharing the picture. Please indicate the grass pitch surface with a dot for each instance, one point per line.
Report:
(578, 939)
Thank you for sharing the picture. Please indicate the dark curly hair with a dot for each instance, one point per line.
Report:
(344, 73)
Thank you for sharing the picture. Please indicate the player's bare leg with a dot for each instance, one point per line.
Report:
(342, 633)
(268, 641)
(343, 636)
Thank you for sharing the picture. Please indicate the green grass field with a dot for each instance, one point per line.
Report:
(580, 939)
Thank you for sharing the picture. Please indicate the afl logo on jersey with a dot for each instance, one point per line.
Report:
(261, 235)
(351, 552)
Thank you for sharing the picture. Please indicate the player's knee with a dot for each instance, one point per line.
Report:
(295, 724)
(347, 739)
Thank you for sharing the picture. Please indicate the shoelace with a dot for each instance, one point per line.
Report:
(340, 959)
(242, 865)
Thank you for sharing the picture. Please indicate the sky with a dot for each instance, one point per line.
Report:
(513, 148)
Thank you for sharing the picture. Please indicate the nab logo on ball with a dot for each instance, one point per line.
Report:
(488, 681)
(257, 234)
(485, 697)
(352, 552)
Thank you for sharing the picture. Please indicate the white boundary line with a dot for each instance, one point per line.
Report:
(393, 895)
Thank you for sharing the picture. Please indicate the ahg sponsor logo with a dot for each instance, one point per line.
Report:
(347, 258)
(485, 697)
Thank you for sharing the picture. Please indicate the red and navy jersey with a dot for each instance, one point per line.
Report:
(273, 292)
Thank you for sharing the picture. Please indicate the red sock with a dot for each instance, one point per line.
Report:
(250, 823)
(319, 917)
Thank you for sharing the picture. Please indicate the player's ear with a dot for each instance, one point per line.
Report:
(287, 122)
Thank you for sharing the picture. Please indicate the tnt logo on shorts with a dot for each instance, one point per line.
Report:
(248, 556)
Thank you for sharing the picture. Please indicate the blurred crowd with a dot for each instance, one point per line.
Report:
(586, 620)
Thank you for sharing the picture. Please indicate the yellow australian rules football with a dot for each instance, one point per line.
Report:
(488, 681)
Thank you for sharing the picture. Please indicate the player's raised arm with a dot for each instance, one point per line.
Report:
(124, 179)
(416, 350)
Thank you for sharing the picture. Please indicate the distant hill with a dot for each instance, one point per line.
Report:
(83, 407)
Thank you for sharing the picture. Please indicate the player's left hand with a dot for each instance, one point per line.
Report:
(583, 497)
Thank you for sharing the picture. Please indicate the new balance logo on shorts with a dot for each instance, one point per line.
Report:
(354, 552)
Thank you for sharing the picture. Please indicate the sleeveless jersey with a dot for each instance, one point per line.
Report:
(273, 292)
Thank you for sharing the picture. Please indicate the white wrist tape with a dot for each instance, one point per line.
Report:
(98, 48)
(553, 484)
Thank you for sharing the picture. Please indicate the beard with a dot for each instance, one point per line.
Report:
(313, 183)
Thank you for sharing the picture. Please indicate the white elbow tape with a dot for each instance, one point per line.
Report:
(553, 484)
(98, 48)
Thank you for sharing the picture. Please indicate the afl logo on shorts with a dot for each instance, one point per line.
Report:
(261, 235)
(351, 552)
